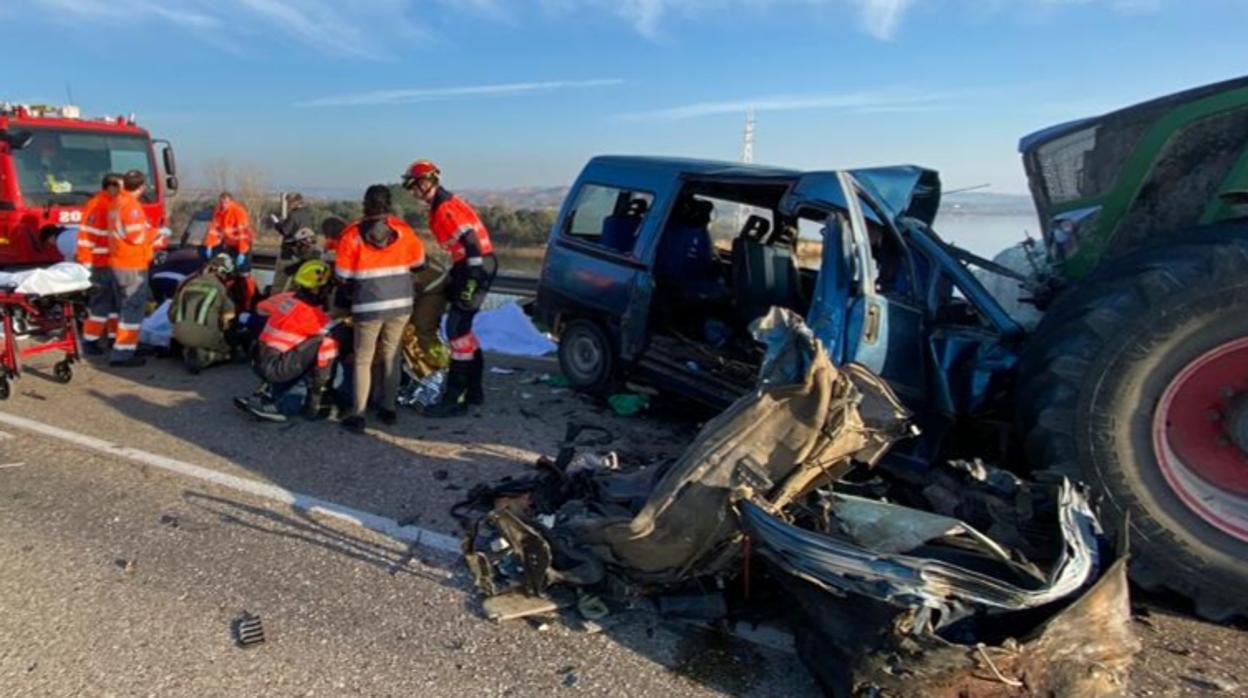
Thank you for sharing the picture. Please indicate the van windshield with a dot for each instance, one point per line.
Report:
(64, 167)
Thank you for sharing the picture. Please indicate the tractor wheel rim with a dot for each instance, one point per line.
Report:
(1198, 437)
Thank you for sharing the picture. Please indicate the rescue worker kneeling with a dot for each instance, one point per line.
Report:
(295, 346)
(202, 312)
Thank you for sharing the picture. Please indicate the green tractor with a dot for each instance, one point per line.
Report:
(1136, 379)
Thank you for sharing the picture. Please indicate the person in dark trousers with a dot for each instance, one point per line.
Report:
(376, 258)
(295, 345)
(459, 230)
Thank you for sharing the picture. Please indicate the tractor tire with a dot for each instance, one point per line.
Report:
(587, 357)
(1136, 383)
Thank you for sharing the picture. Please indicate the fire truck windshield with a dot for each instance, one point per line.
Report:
(64, 167)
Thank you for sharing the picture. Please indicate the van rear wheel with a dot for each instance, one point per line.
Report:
(586, 356)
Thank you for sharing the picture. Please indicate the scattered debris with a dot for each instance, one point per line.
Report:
(127, 566)
(171, 519)
(500, 371)
(247, 630)
(963, 575)
(11, 465)
(515, 604)
(1210, 683)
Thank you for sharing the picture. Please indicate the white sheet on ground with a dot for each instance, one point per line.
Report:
(507, 330)
(156, 330)
(63, 277)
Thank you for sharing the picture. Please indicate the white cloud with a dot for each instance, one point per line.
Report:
(376, 29)
(868, 101)
(441, 94)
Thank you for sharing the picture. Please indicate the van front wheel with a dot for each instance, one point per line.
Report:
(586, 356)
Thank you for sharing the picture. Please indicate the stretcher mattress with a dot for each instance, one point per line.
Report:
(58, 279)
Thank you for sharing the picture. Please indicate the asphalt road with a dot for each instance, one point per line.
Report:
(122, 578)
(123, 569)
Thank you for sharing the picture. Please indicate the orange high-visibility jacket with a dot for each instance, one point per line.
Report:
(231, 226)
(93, 232)
(291, 322)
(381, 276)
(130, 235)
(450, 221)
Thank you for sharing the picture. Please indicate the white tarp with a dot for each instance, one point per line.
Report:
(63, 277)
(507, 330)
(157, 330)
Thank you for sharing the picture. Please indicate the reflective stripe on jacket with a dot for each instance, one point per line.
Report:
(380, 276)
(291, 322)
(93, 232)
(450, 221)
(130, 235)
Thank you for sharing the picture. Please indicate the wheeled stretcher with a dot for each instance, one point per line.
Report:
(39, 304)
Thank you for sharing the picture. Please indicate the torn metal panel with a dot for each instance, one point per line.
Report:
(883, 527)
(844, 567)
(863, 647)
(776, 444)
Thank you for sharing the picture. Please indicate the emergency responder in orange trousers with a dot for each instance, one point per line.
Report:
(295, 345)
(458, 229)
(93, 237)
(231, 233)
(129, 256)
(376, 258)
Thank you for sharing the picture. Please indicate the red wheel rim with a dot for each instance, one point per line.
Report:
(1198, 456)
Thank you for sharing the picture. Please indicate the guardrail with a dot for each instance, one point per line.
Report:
(523, 285)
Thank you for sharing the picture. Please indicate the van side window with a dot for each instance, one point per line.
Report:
(608, 216)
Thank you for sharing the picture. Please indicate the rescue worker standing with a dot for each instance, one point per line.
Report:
(458, 229)
(298, 219)
(376, 258)
(201, 313)
(129, 256)
(230, 232)
(93, 237)
(295, 345)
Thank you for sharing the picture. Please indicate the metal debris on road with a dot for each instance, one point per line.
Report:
(247, 630)
(964, 575)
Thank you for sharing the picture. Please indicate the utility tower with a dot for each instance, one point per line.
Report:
(747, 140)
(747, 157)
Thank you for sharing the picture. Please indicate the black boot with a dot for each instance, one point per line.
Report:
(475, 395)
(452, 403)
(314, 406)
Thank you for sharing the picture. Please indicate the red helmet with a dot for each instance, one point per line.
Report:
(418, 171)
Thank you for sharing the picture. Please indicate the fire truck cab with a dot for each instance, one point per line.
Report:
(51, 163)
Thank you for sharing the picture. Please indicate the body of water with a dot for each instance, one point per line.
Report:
(986, 235)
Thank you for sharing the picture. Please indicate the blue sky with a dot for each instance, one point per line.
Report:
(521, 92)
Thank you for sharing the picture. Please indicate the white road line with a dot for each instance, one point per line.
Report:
(364, 519)
(11, 465)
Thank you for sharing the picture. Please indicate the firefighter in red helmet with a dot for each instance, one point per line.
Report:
(459, 230)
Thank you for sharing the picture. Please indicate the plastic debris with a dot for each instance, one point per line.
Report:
(628, 404)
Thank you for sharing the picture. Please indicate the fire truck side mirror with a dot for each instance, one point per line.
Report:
(17, 141)
(171, 166)
(171, 183)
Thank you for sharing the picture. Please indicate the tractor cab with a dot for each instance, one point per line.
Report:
(656, 269)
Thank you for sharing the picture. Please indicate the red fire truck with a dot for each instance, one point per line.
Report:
(52, 161)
